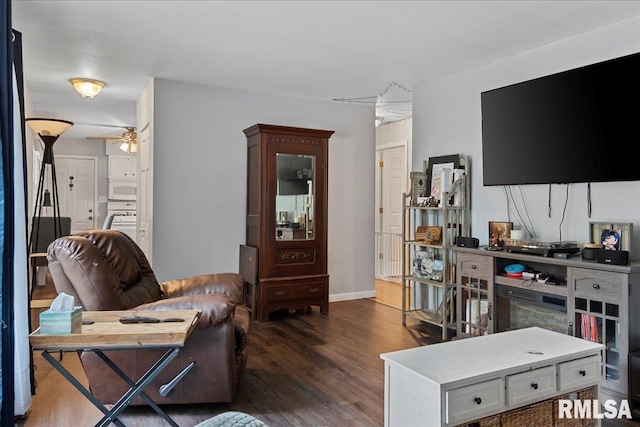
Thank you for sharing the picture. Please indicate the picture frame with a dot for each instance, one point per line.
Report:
(499, 232)
(418, 186)
(434, 166)
(616, 235)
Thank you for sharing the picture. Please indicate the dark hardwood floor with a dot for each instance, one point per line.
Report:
(304, 369)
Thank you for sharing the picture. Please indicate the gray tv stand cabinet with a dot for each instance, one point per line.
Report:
(600, 303)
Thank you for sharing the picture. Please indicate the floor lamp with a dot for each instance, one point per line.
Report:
(49, 131)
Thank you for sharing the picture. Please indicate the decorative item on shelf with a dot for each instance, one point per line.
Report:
(514, 270)
(498, 232)
(434, 234)
(421, 232)
(429, 234)
(418, 187)
(437, 180)
(456, 200)
(420, 263)
(611, 236)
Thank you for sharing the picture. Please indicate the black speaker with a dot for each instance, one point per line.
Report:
(590, 253)
(467, 242)
(605, 256)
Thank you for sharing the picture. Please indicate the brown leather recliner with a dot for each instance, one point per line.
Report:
(106, 270)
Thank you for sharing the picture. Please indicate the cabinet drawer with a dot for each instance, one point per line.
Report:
(474, 401)
(531, 386)
(480, 267)
(578, 373)
(302, 290)
(596, 282)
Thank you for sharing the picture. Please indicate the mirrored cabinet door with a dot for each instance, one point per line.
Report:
(295, 190)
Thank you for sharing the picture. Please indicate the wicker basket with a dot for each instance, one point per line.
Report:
(490, 421)
(493, 421)
(536, 415)
(584, 394)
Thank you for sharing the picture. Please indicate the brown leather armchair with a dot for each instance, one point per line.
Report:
(106, 270)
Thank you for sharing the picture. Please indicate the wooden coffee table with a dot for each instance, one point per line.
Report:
(107, 333)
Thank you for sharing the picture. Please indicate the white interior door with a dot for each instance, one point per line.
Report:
(77, 189)
(393, 182)
(144, 119)
(145, 193)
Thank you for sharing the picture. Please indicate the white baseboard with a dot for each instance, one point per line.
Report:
(352, 295)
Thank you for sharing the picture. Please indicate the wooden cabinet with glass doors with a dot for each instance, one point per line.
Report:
(286, 217)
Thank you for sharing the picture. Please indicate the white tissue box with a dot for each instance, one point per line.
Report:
(61, 322)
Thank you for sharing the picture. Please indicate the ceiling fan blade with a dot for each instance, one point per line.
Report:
(103, 125)
(104, 137)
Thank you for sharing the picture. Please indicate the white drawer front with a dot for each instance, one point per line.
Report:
(578, 373)
(474, 401)
(531, 386)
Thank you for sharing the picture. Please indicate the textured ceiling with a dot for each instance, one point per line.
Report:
(323, 50)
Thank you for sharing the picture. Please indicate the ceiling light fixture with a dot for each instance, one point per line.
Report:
(87, 88)
(129, 147)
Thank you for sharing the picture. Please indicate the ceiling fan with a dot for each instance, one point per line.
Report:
(129, 139)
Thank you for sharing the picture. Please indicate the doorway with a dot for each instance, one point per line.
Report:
(391, 184)
(77, 189)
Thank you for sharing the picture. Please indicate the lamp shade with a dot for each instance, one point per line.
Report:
(87, 88)
(129, 147)
(49, 127)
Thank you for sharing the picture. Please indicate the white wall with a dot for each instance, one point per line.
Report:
(394, 132)
(447, 120)
(200, 157)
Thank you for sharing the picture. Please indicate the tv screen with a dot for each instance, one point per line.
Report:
(574, 126)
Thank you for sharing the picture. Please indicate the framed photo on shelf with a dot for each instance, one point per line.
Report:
(499, 232)
(612, 236)
(418, 187)
(435, 166)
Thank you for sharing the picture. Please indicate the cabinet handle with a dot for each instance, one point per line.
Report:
(534, 385)
(596, 286)
(473, 267)
(583, 373)
(279, 293)
(313, 290)
(477, 400)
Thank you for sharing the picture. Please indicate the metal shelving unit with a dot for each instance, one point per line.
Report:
(429, 266)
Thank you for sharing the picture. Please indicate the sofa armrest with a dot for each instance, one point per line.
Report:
(229, 284)
(216, 308)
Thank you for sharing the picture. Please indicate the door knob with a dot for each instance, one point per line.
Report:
(90, 217)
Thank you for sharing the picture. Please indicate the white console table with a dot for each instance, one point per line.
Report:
(460, 381)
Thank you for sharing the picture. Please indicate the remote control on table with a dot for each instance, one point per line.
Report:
(138, 319)
(143, 319)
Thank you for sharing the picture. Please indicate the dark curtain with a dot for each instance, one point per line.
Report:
(6, 212)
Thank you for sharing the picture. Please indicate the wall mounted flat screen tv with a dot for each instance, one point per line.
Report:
(574, 126)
